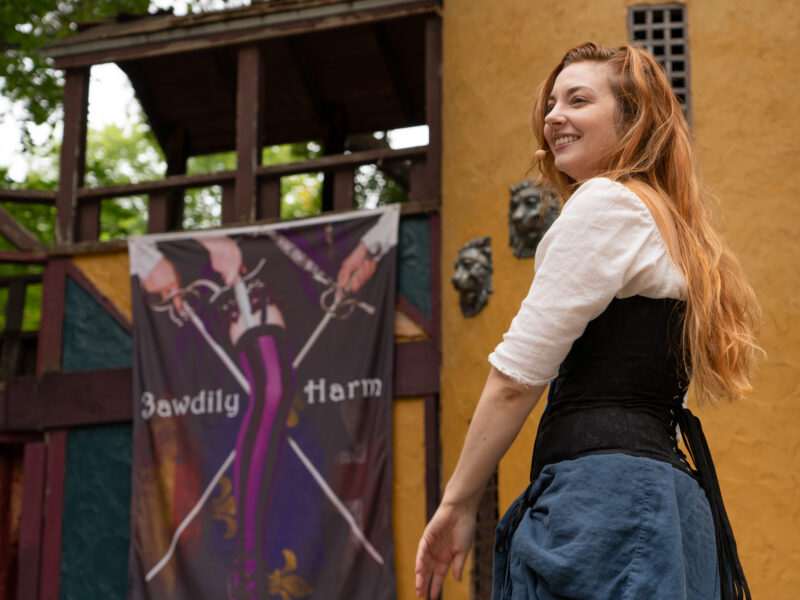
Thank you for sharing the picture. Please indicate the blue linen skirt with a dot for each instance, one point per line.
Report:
(609, 527)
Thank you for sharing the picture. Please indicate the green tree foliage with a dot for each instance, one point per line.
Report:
(27, 25)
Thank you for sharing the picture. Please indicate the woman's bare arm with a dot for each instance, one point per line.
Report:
(501, 411)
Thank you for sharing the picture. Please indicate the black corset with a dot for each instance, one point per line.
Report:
(620, 388)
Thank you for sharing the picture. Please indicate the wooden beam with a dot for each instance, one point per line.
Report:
(174, 182)
(93, 397)
(416, 368)
(343, 193)
(30, 526)
(313, 91)
(333, 144)
(394, 71)
(50, 333)
(433, 105)
(28, 196)
(323, 163)
(50, 578)
(337, 15)
(269, 198)
(73, 152)
(432, 455)
(16, 233)
(165, 208)
(249, 102)
(88, 223)
(18, 405)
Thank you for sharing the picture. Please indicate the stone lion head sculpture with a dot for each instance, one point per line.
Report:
(530, 215)
(473, 275)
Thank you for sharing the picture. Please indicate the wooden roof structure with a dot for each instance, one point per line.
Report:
(360, 62)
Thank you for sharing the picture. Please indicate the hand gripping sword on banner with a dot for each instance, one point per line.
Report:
(339, 298)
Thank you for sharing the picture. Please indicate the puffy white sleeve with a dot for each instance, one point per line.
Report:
(382, 236)
(604, 244)
(143, 256)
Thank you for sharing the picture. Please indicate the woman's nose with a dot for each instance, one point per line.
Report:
(554, 117)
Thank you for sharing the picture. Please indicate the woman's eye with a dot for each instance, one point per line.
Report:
(578, 100)
(548, 108)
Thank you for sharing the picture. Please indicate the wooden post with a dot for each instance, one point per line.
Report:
(269, 198)
(433, 105)
(88, 221)
(50, 510)
(249, 95)
(335, 136)
(30, 526)
(343, 189)
(73, 152)
(165, 209)
(50, 576)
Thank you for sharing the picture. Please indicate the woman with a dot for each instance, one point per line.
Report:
(635, 293)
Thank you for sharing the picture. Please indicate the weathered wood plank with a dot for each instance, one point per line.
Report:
(433, 104)
(269, 198)
(28, 196)
(16, 233)
(73, 151)
(432, 455)
(30, 526)
(88, 226)
(50, 335)
(257, 28)
(85, 398)
(343, 193)
(182, 182)
(18, 405)
(50, 578)
(416, 368)
(249, 96)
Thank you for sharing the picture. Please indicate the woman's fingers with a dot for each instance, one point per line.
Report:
(458, 565)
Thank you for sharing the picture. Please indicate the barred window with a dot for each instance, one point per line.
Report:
(662, 30)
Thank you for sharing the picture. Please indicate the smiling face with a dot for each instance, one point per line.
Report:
(581, 123)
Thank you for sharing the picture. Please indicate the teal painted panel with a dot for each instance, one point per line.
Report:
(414, 262)
(92, 339)
(97, 484)
(96, 525)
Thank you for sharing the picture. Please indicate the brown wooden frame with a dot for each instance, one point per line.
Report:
(53, 401)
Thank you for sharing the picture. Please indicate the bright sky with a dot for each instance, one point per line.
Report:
(111, 101)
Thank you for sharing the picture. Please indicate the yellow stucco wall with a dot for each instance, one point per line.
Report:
(746, 98)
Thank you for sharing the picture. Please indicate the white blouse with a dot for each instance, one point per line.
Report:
(605, 244)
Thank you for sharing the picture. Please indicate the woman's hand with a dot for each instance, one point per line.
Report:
(163, 280)
(446, 540)
(225, 255)
(356, 269)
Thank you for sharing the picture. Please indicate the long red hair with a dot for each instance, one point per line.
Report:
(656, 159)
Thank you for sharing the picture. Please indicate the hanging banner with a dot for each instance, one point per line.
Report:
(262, 387)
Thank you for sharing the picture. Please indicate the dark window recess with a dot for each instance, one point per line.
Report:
(661, 30)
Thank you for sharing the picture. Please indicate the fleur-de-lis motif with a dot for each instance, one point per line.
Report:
(223, 507)
(284, 583)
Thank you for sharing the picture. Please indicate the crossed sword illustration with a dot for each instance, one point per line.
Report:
(297, 256)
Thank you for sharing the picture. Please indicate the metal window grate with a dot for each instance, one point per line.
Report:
(662, 30)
